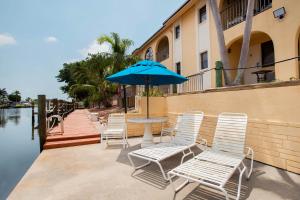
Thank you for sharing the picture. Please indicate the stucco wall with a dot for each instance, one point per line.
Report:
(274, 124)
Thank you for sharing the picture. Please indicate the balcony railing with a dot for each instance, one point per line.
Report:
(235, 13)
(194, 84)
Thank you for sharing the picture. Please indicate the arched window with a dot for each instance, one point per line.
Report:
(162, 49)
(149, 54)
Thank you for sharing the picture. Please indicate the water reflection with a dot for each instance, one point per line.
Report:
(3, 118)
(19, 146)
(12, 114)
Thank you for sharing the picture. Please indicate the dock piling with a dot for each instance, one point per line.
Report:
(42, 119)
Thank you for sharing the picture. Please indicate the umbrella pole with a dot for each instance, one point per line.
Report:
(147, 92)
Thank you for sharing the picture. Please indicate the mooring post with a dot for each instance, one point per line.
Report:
(42, 119)
(32, 120)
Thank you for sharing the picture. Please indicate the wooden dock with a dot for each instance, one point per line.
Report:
(78, 130)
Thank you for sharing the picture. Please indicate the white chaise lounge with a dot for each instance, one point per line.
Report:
(171, 130)
(215, 166)
(185, 138)
(115, 128)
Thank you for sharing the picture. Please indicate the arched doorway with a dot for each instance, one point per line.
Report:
(162, 49)
(261, 58)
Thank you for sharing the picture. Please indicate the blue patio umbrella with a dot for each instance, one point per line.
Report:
(147, 73)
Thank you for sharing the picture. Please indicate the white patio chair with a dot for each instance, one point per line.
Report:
(116, 128)
(184, 140)
(171, 130)
(214, 167)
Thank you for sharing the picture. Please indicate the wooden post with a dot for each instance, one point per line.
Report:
(124, 100)
(42, 119)
(32, 120)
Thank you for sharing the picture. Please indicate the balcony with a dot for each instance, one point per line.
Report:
(234, 12)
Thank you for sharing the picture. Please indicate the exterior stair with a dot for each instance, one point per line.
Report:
(61, 141)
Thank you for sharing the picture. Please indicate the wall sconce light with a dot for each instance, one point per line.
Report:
(279, 13)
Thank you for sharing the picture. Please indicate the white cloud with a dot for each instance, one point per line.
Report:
(6, 39)
(51, 39)
(94, 48)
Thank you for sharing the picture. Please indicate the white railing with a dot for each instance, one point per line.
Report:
(194, 84)
(235, 12)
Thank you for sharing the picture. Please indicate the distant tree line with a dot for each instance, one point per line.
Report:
(12, 97)
(85, 80)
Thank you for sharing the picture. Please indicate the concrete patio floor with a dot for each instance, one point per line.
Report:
(93, 172)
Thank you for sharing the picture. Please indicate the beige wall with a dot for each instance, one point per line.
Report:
(273, 110)
(189, 51)
(274, 123)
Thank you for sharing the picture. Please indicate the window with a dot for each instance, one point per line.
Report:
(149, 54)
(178, 68)
(267, 54)
(204, 60)
(202, 14)
(177, 32)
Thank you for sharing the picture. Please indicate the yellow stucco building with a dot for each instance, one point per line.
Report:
(187, 43)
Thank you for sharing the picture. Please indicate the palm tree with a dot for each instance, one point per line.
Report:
(3, 92)
(246, 43)
(221, 41)
(119, 49)
(3, 95)
(90, 79)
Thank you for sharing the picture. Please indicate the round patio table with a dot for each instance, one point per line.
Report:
(148, 137)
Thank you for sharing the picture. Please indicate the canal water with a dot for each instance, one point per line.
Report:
(19, 147)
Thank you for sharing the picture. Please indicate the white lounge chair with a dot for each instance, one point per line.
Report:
(214, 167)
(185, 138)
(116, 128)
(171, 130)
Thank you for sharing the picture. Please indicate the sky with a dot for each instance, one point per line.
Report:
(38, 36)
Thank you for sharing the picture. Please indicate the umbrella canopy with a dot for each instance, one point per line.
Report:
(147, 72)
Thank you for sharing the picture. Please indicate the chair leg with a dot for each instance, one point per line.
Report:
(162, 171)
(226, 194)
(240, 180)
(133, 165)
(249, 172)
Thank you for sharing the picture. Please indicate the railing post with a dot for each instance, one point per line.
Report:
(219, 81)
(42, 119)
(55, 106)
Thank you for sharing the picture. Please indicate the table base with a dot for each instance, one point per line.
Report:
(148, 137)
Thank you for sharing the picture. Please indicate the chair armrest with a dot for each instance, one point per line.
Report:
(203, 142)
(250, 152)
